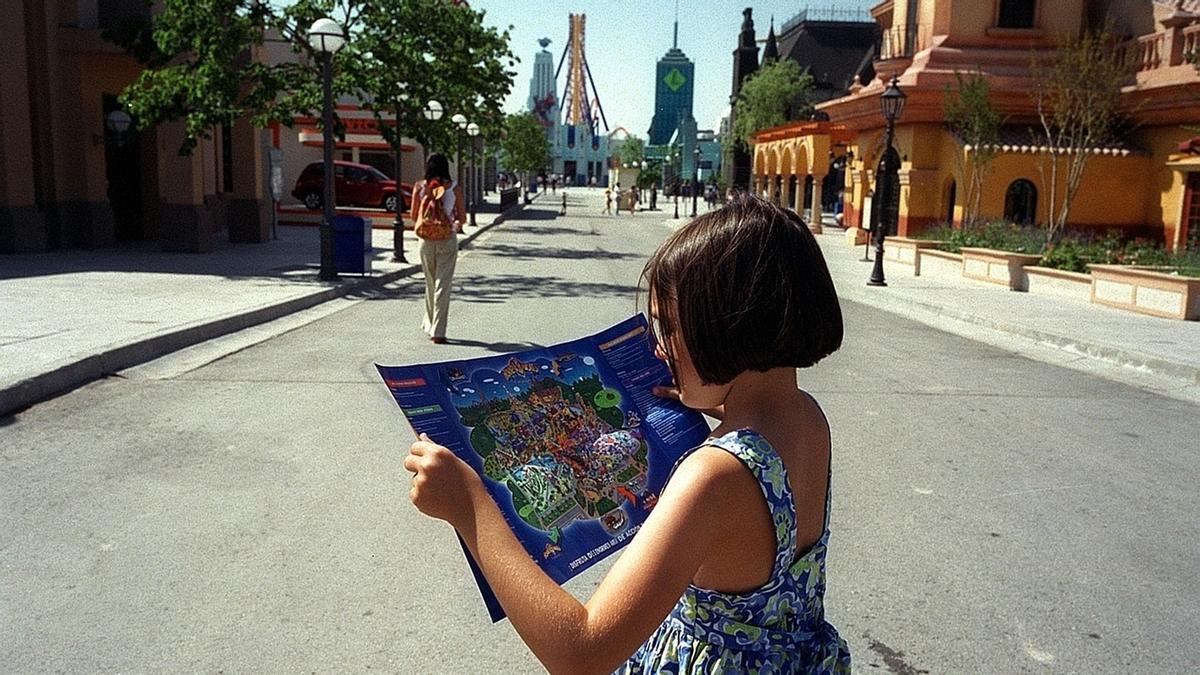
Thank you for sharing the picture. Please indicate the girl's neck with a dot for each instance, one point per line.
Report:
(756, 399)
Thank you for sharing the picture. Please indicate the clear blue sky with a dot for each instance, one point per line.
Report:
(625, 39)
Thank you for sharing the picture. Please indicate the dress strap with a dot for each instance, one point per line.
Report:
(760, 457)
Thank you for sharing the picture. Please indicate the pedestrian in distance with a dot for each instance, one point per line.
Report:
(439, 213)
(739, 298)
(563, 210)
(617, 196)
(608, 200)
(653, 197)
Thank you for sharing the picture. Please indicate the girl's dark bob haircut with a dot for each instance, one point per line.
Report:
(747, 288)
(437, 167)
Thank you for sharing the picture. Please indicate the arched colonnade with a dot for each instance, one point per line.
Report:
(787, 156)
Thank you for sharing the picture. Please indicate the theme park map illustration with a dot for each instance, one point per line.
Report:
(571, 443)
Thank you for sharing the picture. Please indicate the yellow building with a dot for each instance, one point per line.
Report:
(1147, 185)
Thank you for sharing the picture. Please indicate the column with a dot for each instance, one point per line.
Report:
(814, 222)
(772, 182)
(786, 197)
(798, 198)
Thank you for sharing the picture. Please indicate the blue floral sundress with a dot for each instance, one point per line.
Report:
(779, 627)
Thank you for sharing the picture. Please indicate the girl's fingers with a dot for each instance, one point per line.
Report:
(665, 392)
(411, 464)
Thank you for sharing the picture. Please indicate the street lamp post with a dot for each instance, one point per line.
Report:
(695, 177)
(398, 221)
(460, 123)
(326, 37)
(892, 101)
(432, 112)
(473, 132)
(675, 197)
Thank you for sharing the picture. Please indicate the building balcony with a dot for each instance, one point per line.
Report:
(897, 42)
(895, 48)
(1169, 48)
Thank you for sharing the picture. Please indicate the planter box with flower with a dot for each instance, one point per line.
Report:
(908, 251)
(994, 252)
(1157, 291)
(1058, 283)
(998, 267)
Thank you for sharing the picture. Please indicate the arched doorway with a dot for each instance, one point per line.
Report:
(1020, 202)
(123, 172)
(885, 205)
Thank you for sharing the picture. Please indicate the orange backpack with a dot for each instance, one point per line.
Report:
(434, 224)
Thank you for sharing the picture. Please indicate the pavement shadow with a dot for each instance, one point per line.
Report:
(499, 347)
(537, 214)
(504, 287)
(543, 231)
(535, 252)
(275, 260)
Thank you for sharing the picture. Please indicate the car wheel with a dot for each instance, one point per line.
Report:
(389, 203)
(313, 200)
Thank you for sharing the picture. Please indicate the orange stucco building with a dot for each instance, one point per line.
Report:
(1146, 184)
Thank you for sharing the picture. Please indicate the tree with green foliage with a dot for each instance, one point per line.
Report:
(524, 147)
(971, 118)
(649, 176)
(1077, 91)
(205, 63)
(408, 52)
(766, 98)
(633, 151)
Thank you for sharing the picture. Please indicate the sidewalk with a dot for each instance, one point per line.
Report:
(1159, 354)
(74, 316)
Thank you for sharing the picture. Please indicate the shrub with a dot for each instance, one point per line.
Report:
(999, 235)
(1074, 254)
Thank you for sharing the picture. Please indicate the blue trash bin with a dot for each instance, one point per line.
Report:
(352, 244)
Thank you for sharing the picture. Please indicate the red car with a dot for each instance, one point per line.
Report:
(354, 185)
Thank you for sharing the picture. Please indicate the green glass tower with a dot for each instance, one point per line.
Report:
(673, 91)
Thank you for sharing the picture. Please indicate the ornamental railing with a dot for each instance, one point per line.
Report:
(898, 42)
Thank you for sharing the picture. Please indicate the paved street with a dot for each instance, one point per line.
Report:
(240, 505)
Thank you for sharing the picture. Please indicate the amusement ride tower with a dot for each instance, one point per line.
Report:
(578, 148)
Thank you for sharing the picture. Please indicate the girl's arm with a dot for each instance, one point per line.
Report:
(640, 589)
(460, 208)
(415, 201)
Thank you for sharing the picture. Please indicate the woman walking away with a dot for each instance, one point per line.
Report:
(439, 213)
(727, 574)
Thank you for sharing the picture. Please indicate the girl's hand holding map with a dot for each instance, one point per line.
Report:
(443, 486)
(672, 392)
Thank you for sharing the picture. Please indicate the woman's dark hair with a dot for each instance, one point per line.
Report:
(748, 289)
(437, 166)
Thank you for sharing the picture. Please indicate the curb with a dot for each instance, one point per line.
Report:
(74, 374)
